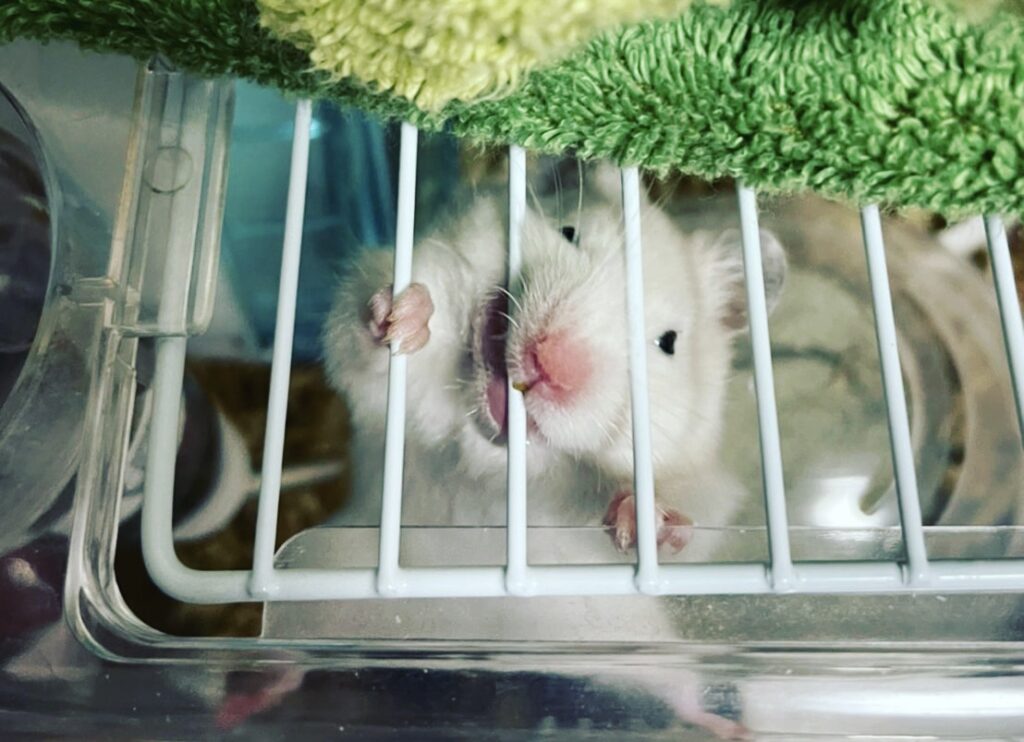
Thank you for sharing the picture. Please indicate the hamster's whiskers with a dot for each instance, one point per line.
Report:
(510, 295)
(511, 321)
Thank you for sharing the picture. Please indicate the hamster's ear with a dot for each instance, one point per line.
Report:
(605, 180)
(773, 263)
(556, 175)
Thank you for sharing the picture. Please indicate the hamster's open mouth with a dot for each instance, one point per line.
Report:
(490, 344)
(490, 348)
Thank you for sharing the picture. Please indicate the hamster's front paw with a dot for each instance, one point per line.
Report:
(674, 528)
(402, 322)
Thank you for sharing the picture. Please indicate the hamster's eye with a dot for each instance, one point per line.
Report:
(667, 342)
(570, 234)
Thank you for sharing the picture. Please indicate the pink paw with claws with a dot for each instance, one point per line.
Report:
(401, 322)
(674, 528)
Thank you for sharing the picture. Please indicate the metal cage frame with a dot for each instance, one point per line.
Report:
(265, 582)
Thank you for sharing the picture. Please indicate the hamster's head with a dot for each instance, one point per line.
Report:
(561, 336)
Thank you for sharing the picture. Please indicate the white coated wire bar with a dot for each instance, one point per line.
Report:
(516, 415)
(764, 387)
(895, 398)
(280, 371)
(158, 502)
(959, 576)
(643, 468)
(394, 439)
(158, 551)
(265, 583)
(158, 495)
(1009, 308)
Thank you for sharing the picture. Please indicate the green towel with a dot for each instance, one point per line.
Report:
(896, 101)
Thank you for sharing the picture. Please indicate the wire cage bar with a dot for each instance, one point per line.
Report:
(895, 397)
(764, 387)
(394, 441)
(643, 467)
(516, 535)
(1009, 307)
(390, 579)
(281, 362)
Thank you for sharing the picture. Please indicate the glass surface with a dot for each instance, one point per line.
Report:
(824, 667)
(63, 170)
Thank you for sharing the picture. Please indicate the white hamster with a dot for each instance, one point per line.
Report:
(561, 336)
(563, 339)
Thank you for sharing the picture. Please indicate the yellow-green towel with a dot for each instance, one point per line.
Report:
(983, 10)
(435, 51)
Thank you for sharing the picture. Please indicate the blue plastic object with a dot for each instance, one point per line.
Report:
(350, 203)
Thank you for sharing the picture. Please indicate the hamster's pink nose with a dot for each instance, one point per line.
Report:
(555, 366)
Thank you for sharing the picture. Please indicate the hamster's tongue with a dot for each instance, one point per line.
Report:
(497, 395)
(492, 351)
(493, 337)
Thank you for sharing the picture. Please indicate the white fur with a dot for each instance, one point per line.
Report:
(455, 475)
